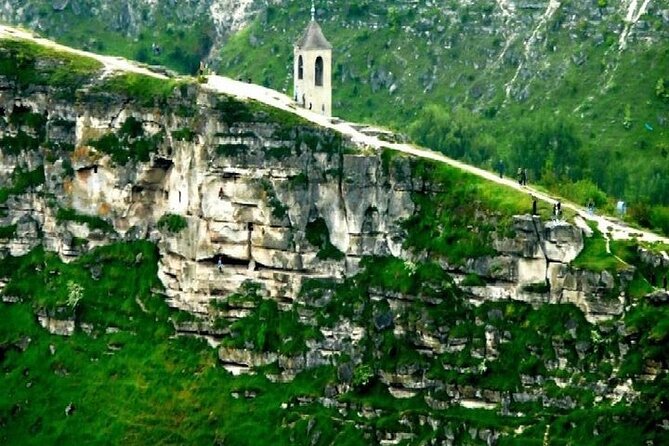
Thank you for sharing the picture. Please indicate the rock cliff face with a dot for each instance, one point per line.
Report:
(261, 201)
(534, 267)
(258, 200)
(252, 209)
(290, 250)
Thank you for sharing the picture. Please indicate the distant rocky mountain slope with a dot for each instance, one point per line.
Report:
(182, 267)
(185, 32)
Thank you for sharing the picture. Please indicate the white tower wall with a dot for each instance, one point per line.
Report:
(306, 92)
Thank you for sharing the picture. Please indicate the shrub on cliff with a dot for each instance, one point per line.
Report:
(172, 223)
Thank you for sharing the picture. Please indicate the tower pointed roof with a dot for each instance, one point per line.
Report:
(313, 38)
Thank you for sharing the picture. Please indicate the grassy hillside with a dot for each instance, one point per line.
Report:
(184, 34)
(587, 119)
(128, 379)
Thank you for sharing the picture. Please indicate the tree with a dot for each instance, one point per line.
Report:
(661, 89)
(75, 293)
(457, 134)
(548, 146)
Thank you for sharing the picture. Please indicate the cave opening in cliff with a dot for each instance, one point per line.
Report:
(163, 163)
(226, 261)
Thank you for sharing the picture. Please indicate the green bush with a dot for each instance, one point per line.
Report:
(147, 91)
(14, 145)
(234, 111)
(131, 128)
(92, 222)
(659, 218)
(458, 134)
(22, 181)
(279, 210)
(362, 375)
(7, 232)
(279, 153)
(130, 143)
(184, 134)
(267, 327)
(582, 191)
(35, 121)
(299, 181)
(473, 280)
(172, 223)
(537, 287)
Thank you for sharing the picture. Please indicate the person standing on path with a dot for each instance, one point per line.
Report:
(500, 168)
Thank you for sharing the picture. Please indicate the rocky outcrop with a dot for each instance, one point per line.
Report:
(261, 200)
(250, 193)
(233, 193)
(534, 266)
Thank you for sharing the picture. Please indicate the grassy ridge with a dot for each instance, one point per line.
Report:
(457, 213)
(30, 65)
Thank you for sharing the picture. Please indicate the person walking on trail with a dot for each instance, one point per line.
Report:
(519, 174)
(219, 264)
(591, 207)
(500, 168)
(524, 175)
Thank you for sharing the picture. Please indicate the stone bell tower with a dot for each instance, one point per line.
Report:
(313, 69)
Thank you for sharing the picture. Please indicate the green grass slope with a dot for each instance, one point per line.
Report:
(130, 380)
(183, 32)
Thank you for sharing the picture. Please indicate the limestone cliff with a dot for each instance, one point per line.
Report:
(250, 188)
(292, 250)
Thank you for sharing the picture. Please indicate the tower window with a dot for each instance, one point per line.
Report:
(300, 68)
(319, 71)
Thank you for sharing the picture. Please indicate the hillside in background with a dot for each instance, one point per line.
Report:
(176, 34)
(576, 92)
